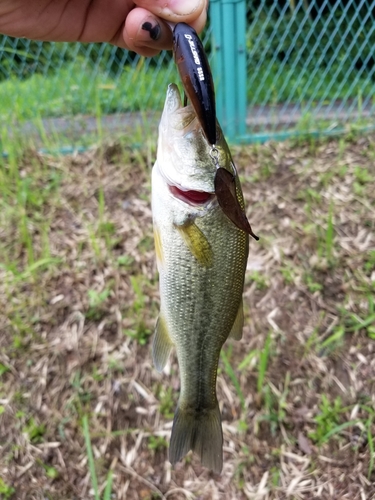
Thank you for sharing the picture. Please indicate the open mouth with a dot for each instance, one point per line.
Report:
(191, 197)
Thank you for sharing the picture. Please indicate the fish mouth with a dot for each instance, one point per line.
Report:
(191, 197)
(181, 122)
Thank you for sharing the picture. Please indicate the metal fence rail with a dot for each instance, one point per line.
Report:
(280, 68)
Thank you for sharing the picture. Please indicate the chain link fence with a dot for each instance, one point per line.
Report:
(310, 65)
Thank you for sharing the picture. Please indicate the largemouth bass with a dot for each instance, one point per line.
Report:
(201, 259)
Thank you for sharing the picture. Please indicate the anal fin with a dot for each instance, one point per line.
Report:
(236, 331)
(162, 344)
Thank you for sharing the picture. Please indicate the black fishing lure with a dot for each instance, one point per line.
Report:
(195, 73)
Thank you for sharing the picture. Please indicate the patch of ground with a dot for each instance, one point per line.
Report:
(79, 300)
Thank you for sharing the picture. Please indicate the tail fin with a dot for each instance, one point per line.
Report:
(201, 432)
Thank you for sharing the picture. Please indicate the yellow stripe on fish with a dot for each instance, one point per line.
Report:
(158, 246)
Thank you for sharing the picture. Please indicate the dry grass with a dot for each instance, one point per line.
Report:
(79, 299)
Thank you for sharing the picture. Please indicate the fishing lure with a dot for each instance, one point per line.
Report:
(227, 197)
(196, 76)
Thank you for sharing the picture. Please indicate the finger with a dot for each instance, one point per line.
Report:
(187, 11)
(200, 22)
(146, 34)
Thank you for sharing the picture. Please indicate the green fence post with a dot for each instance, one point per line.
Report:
(228, 21)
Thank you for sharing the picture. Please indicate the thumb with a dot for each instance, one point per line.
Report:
(192, 12)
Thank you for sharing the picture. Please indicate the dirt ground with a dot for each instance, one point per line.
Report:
(78, 304)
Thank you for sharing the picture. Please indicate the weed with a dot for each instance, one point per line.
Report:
(275, 476)
(139, 332)
(328, 420)
(354, 323)
(157, 443)
(34, 430)
(333, 341)
(125, 261)
(97, 298)
(80, 396)
(369, 262)
(225, 356)
(266, 170)
(289, 273)
(329, 236)
(370, 440)
(137, 283)
(166, 402)
(146, 244)
(90, 456)
(3, 369)
(269, 413)
(6, 491)
(362, 175)
(311, 284)
(313, 339)
(263, 363)
(309, 196)
(96, 302)
(51, 472)
(248, 359)
(275, 404)
(259, 279)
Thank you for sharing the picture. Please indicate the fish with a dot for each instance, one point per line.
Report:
(201, 257)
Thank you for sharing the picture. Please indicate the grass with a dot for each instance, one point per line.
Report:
(275, 83)
(90, 456)
(79, 89)
(84, 414)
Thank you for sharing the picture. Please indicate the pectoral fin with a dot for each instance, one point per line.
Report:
(197, 243)
(162, 344)
(236, 332)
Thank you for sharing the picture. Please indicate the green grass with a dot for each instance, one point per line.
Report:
(77, 89)
(263, 363)
(274, 83)
(225, 356)
(94, 480)
(6, 491)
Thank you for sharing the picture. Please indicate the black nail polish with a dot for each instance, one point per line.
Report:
(154, 31)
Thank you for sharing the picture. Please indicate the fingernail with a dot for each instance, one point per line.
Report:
(183, 7)
(153, 29)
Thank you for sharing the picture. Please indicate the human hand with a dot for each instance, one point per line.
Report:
(139, 26)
